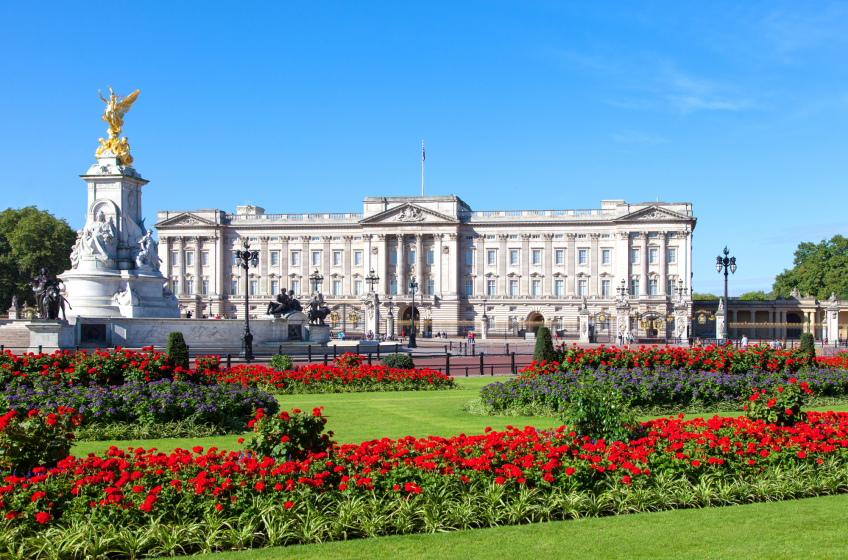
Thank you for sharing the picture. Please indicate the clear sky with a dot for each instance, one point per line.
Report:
(739, 108)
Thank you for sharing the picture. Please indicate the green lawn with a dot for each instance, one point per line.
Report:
(813, 528)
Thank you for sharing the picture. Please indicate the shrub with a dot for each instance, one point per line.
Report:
(808, 344)
(282, 362)
(779, 404)
(544, 346)
(176, 349)
(398, 361)
(289, 437)
(599, 412)
(35, 439)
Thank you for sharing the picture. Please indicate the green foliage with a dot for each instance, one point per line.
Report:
(176, 349)
(398, 361)
(696, 296)
(31, 239)
(808, 344)
(282, 362)
(544, 346)
(779, 404)
(820, 268)
(37, 439)
(759, 295)
(348, 360)
(287, 436)
(600, 412)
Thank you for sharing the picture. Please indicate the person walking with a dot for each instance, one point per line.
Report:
(744, 341)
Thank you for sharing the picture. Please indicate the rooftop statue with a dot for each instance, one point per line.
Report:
(116, 107)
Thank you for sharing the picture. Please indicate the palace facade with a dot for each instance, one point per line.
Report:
(522, 268)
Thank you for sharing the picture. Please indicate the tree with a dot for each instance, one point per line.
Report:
(755, 296)
(819, 270)
(544, 346)
(31, 239)
(696, 296)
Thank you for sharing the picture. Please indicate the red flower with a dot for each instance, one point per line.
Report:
(288, 504)
(43, 517)
(802, 455)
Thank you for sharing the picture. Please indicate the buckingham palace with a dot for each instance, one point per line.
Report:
(519, 268)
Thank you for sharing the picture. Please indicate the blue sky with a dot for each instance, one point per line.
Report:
(301, 107)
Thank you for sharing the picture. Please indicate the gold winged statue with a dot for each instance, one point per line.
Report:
(116, 107)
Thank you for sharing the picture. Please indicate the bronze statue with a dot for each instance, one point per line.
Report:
(48, 296)
(317, 310)
(284, 303)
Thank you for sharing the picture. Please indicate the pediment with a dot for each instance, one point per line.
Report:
(654, 213)
(409, 214)
(185, 219)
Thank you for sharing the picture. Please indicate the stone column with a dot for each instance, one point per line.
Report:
(264, 262)
(165, 242)
(524, 281)
(419, 263)
(219, 289)
(734, 331)
(182, 268)
(753, 330)
(382, 262)
(663, 290)
(548, 264)
(285, 281)
(198, 274)
(453, 261)
(347, 287)
(401, 266)
(593, 264)
(571, 260)
(327, 270)
(771, 323)
(437, 263)
(643, 260)
(503, 281)
(480, 241)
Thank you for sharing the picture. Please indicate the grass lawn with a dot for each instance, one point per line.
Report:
(812, 528)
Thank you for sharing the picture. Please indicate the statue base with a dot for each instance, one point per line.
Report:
(93, 294)
(50, 334)
(317, 334)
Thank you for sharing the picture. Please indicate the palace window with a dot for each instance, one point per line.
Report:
(189, 258)
(583, 256)
(558, 287)
(295, 258)
(605, 256)
(316, 258)
(469, 257)
(652, 235)
(634, 287)
(513, 237)
(431, 257)
(175, 287)
(669, 287)
(175, 258)
(275, 287)
(605, 287)
(634, 256)
(653, 256)
(357, 258)
(337, 287)
(652, 287)
(560, 256)
(490, 257)
(295, 286)
(393, 287)
(357, 287)
(254, 287)
(513, 256)
(469, 287)
(537, 256)
(490, 287)
(490, 237)
(337, 258)
(393, 257)
(513, 287)
(431, 287)
(581, 288)
(672, 255)
(537, 287)
(204, 287)
(275, 258)
(233, 287)
(189, 287)
(204, 258)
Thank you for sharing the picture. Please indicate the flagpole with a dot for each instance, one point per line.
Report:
(422, 168)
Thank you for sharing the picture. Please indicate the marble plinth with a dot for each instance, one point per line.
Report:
(93, 294)
(49, 334)
(318, 334)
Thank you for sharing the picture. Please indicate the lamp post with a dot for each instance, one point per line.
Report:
(484, 326)
(246, 259)
(725, 263)
(316, 278)
(371, 279)
(413, 287)
(390, 320)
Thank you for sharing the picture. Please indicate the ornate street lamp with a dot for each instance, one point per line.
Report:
(371, 279)
(245, 260)
(390, 320)
(316, 278)
(413, 287)
(725, 264)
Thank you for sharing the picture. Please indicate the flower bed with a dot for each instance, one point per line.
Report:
(318, 378)
(156, 403)
(543, 389)
(217, 500)
(711, 358)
